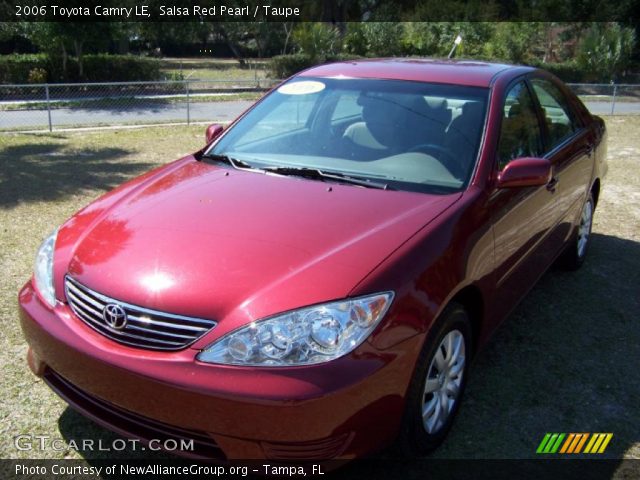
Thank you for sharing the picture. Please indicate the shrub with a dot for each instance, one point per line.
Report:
(316, 40)
(569, 71)
(606, 51)
(375, 39)
(37, 75)
(283, 66)
(97, 68)
(119, 68)
(16, 68)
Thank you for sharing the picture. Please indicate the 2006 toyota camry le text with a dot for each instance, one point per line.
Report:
(315, 282)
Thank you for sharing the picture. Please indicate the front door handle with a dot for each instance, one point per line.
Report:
(590, 149)
(553, 183)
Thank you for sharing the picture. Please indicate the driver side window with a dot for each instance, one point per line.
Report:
(520, 134)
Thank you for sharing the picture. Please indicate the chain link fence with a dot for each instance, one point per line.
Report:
(57, 106)
(609, 98)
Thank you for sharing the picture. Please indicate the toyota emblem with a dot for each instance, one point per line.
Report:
(114, 316)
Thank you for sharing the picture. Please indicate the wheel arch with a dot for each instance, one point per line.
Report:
(471, 298)
(595, 191)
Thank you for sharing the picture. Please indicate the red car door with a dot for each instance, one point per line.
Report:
(569, 146)
(522, 217)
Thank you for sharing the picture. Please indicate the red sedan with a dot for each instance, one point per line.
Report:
(315, 281)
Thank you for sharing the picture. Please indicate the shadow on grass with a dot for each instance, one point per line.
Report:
(565, 361)
(75, 427)
(49, 172)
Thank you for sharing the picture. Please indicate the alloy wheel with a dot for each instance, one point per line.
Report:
(584, 230)
(444, 381)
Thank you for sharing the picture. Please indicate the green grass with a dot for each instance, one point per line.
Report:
(204, 68)
(566, 360)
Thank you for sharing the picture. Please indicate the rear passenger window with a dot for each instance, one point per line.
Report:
(520, 134)
(557, 114)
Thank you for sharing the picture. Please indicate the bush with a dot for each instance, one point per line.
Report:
(97, 68)
(37, 75)
(16, 68)
(316, 39)
(569, 71)
(375, 39)
(283, 66)
(606, 51)
(119, 68)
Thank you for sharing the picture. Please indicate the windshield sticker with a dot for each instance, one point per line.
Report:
(302, 88)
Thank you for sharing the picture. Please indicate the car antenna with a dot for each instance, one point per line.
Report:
(456, 42)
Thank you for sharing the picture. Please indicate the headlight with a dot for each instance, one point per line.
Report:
(43, 271)
(302, 337)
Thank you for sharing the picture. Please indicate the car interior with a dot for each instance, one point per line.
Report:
(408, 137)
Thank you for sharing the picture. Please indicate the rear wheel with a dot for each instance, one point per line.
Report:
(573, 257)
(438, 382)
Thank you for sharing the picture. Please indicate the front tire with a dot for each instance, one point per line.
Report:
(439, 380)
(575, 253)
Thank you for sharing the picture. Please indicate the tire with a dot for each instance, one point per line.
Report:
(420, 436)
(575, 253)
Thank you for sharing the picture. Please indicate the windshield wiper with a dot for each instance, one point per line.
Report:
(318, 174)
(234, 162)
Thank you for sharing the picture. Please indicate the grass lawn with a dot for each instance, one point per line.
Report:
(566, 360)
(214, 68)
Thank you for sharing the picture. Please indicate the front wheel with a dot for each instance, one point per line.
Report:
(575, 253)
(439, 380)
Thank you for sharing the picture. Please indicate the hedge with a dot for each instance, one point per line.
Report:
(283, 66)
(569, 72)
(34, 68)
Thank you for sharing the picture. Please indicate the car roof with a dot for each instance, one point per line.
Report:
(458, 72)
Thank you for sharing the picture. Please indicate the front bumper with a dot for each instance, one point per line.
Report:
(341, 409)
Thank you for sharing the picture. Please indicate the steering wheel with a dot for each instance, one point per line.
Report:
(442, 154)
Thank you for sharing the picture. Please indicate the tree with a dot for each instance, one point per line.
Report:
(60, 39)
(606, 50)
(436, 38)
(317, 40)
(516, 42)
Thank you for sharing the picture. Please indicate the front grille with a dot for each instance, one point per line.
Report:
(144, 328)
(132, 424)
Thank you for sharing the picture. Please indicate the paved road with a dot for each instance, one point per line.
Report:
(620, 108)
(198, 112)
(173, 112)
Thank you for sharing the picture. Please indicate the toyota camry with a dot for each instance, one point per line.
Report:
(316, 280)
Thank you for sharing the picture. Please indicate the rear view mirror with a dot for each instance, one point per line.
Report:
(525, 172)
(213, 131)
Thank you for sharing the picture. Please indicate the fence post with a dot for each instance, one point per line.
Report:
(613, 100)
(46, 91)
(188, 107)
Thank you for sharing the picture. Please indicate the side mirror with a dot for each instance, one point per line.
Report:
(525, 172)
(213, 132)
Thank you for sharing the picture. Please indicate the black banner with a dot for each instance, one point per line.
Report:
(369, 469)
(335, 11)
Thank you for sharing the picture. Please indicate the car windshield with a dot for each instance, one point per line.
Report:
(409, 135)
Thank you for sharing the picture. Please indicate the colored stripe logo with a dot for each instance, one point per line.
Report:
(592, 443)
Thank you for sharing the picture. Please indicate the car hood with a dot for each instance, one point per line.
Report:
(206, 241)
